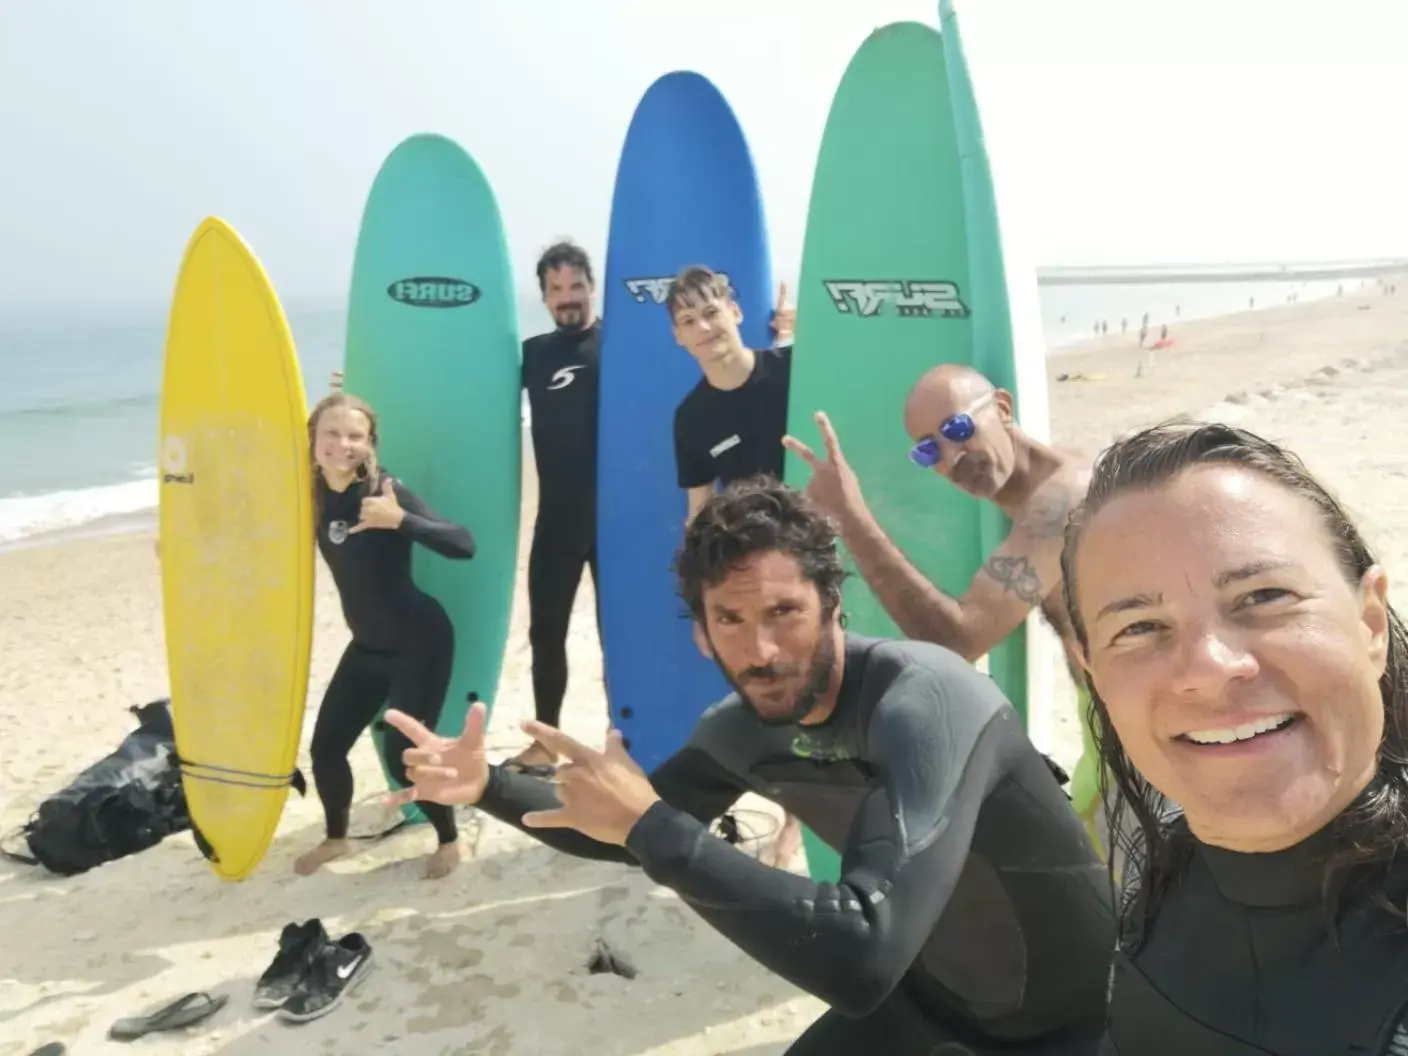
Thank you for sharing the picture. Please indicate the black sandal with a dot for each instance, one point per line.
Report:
(185, 1011)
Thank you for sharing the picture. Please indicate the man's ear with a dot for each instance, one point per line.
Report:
(701, 641)
(1003, 401)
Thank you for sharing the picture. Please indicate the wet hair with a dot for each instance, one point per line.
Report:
(754, 516)
(368, 472)
(564, 254)
(1364, 838)
(694, 284)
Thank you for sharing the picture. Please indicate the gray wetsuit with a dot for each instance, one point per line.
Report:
(972, 914)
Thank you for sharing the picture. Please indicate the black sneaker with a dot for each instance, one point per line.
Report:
(298, 945)
(337, 968)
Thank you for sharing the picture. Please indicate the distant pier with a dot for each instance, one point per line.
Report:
(1152, 274)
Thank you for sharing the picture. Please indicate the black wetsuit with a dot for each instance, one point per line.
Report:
(972, 908)
(402, 646)
(560, 373)
(725, 435)
(1239, 961)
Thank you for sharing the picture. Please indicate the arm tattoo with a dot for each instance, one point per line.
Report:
(1017, 576)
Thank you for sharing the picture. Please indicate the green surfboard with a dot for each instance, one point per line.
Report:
(432, 344)
(992, 349)
(1009, 347)
(898, 276)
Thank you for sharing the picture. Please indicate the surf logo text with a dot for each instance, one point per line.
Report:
(433, 292)
(911, 298)
(564, 377)
(647, 291)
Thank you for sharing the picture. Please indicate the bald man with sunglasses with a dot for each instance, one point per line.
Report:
(963, 429)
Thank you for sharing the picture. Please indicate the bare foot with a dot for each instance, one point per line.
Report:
(786, 845)
(310, 862)
(534, 755)
(443, 862)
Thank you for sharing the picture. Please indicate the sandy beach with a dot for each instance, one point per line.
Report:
(492, 960)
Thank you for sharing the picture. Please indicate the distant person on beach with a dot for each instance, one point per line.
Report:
(964, 430)
(971, 915)
(1145, 366)
(561, 374)
(402, 644)
(730, 425)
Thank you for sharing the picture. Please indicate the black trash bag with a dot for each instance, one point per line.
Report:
(127, 801)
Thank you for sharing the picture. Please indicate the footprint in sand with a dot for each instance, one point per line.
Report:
(609, 895)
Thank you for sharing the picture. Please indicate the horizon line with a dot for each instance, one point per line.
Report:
(1050, 275)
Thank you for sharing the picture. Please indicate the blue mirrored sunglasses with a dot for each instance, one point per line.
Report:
(958, 429)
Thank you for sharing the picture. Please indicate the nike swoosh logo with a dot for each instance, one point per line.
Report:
(347, 969)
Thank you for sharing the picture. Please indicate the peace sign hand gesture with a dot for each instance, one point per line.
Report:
(448, 770)
(834, 485)
(603, 794)
(380, 511)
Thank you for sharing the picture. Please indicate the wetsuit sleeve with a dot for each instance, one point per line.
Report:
(692, 469)
(423, 525)
(849, 943)
(690, 781)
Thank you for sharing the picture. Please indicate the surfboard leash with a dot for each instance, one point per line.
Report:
(253, 779)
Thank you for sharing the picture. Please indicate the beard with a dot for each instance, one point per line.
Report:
(821, 669)
(570, 316)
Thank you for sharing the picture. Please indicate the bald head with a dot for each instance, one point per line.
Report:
(962, 428)
(943, 390)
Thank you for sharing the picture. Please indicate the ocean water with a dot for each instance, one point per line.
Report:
(78, 396)
(1071, 313)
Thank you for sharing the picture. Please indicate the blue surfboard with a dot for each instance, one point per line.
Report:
(686, 193)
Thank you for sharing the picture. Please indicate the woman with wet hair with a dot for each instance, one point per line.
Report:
(403, 644)
(1244, 663)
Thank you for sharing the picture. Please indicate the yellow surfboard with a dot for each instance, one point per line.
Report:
(236, 545)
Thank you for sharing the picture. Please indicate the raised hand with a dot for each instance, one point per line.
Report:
(602, 794)
(834, 485)
(380, 511)
(784, 317)
(448, 770)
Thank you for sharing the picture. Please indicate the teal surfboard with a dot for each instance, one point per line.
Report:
(895, 279)
(432, 345)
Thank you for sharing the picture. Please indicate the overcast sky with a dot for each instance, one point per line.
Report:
(1133, 131)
